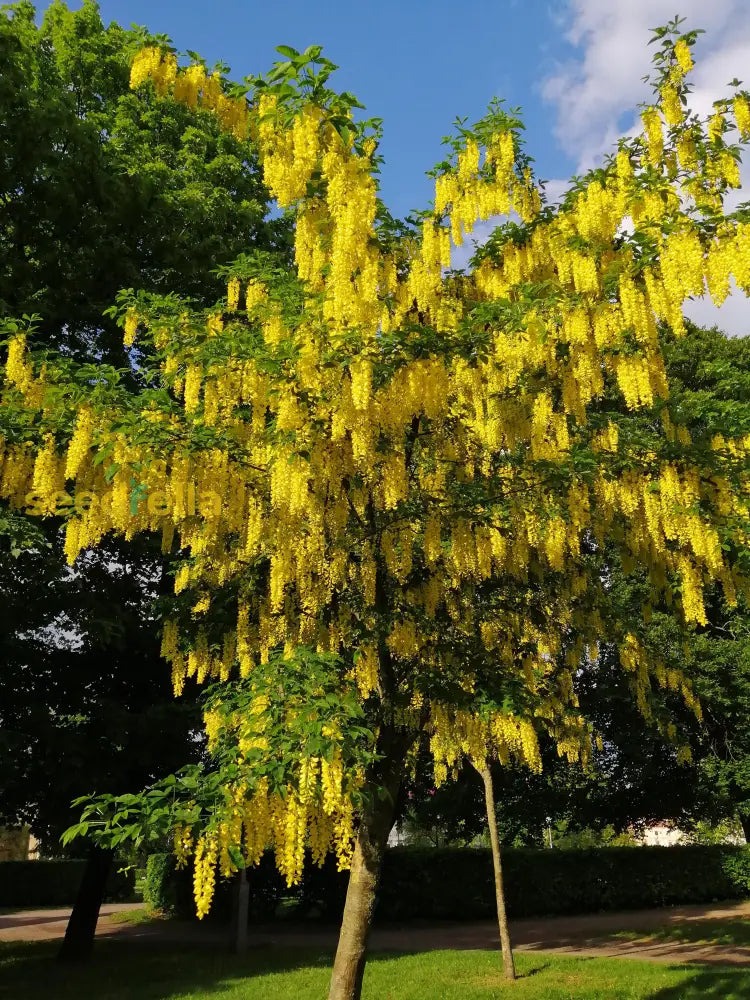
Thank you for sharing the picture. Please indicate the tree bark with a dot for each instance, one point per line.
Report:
(745, 824)
(372, 835)
(79, 934)
(506, 947)
(241, 913)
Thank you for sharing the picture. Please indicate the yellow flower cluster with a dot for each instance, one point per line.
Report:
(467, 195)
(653, 135)
(742, 115)
(151, 64)
(683, 56)
(367, 669)
(17, 371)
(79, 443)
(191, 86)
(670, 99)
(131, 327)
(455, 734)
(314, 811)
(204, 872)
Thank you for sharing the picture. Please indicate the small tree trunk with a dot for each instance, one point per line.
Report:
(79, 934)
(744, 819)
(372, 836)
(509, 968)
(241, 908)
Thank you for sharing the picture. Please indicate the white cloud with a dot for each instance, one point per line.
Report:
(603, 82)
(733, 316)
(596, 91)
(555, 189)
(460, 256)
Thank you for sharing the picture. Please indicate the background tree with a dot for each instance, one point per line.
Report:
(99, 190)
(102, 190)
(634, 778)
(85, 701)
(642, 781)
(711, 376)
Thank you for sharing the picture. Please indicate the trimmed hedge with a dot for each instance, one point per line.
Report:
(170, 890)
(457, 883)
(54, 883)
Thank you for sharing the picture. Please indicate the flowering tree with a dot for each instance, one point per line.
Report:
(391, 482)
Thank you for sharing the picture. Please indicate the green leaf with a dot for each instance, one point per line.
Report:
(288, 51)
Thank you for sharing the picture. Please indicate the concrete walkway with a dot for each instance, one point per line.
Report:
(589, 935)
(49, 924)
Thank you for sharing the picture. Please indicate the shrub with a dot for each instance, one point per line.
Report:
(170, 890)
(166, 888)
(54, 883)
(457, 883)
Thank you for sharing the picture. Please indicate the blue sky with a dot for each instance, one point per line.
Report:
(414, 63)
(574, 66)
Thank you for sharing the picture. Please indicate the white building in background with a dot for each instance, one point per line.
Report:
(397, 837)
(661, 835)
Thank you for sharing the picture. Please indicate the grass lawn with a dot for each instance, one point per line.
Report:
(721, 931)
(143, 916)
(125, 970)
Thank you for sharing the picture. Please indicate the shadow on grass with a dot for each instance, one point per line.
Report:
(533, 971)
(154, 970)
(708, 984)
(709, 930)
(121, 970)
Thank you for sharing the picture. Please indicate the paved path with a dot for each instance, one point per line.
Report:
(48, 924)
(578, 935)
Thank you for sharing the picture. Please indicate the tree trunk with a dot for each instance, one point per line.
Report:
(509, 968)
(241, 914)
(79, 934)
(372, 836)
(744, 819)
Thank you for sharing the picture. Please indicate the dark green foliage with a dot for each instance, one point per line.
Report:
(170, 890)
(29, 884)
(103, 189)
(97, 713)
(323, 891)
(456, 883)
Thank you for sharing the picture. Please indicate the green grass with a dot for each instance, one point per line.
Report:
(140, 885)
(140, 916)
(122, 970)
(726, 931)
